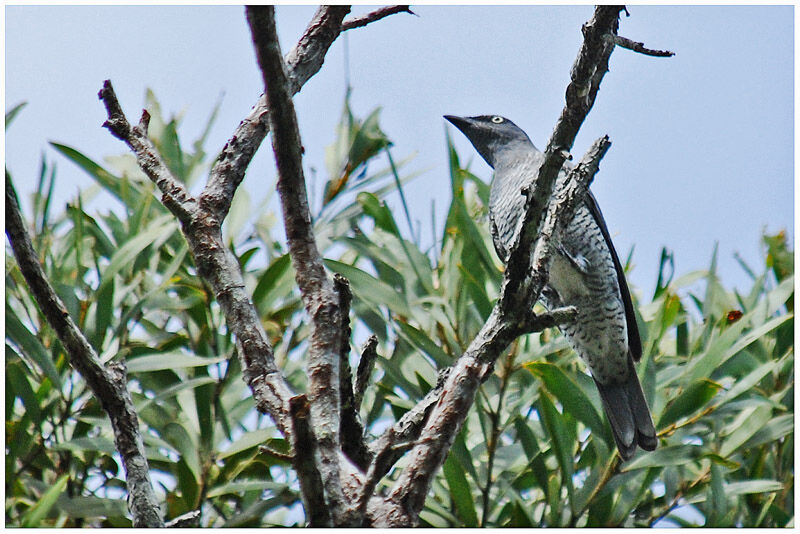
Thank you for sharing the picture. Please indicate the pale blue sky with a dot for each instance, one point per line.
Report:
(703, 145)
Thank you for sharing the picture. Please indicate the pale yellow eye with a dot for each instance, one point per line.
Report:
(497, 120)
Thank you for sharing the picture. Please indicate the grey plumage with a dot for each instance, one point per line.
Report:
(585, 273)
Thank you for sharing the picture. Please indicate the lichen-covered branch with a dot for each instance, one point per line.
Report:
(316, 288)
(109, 384)
(560, 211)
(585, 77)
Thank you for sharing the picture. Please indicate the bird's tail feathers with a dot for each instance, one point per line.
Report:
(628, 414)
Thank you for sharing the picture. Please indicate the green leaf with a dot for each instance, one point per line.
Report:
(689, 402)
(420, 340)
(169, 360)
(248, 440)
(158, 230)
(670, 455)
(730, 343)
(531, 447)
(371, 289)
(273, 283)
(173, 390)
(87, 506)
(752, 486)
(747, 423)
(18, 382)
(236, 487)
(98, 443)
(561, 441)
(30, 345)
(570, 395)
(11, 113)
(775, 429)
(377, 209)
(460, 491)
(34, 516)
(109, 182)
(746, 383)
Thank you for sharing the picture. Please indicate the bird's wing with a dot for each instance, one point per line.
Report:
(634, 341)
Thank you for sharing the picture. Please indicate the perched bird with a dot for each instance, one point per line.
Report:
(585, 273)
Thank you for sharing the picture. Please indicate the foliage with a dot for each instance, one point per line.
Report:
(535, 450)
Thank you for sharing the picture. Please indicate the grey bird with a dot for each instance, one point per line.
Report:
(585, 273)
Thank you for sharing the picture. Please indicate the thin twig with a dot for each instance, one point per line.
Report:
(491, 445)
(109, 384)
(609, 471)
(378, 14)
(560, 316)
(636, 46)
(187, 520)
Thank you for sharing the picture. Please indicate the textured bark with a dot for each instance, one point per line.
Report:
(373, 16)
(109, 384)
(316, 288)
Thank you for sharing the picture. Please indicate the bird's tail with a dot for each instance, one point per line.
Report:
(628, 414)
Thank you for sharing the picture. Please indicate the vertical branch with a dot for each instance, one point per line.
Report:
(108, 384)
(320, 298)
(350, 428)
(305, 452)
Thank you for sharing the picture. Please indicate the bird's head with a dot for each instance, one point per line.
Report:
(491, 135)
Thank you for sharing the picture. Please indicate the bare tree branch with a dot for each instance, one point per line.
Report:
(350, 428)
(376, 15)
(319, 296)
(585, 77)
(635, 46)
(303, 61)
(561, 210)
(109, 384)
(215, 264)
(174, 195)
(557, 317)
(187, 520)
(305, 464)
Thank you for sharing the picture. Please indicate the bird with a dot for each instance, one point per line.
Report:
(585, 273)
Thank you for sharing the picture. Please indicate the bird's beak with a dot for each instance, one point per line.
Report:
(458, 122)
(462, 123)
